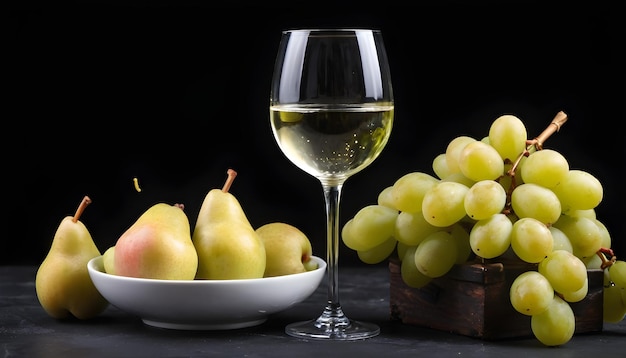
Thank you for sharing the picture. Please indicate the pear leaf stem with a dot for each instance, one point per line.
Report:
(79, 211)
(229, 181)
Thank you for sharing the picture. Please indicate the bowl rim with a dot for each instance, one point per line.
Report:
(95, 266)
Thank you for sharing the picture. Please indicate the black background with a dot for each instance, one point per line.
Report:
(175, 93)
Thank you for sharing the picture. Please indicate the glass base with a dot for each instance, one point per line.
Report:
(333, 326)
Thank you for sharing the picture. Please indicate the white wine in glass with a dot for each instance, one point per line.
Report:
(331, 112)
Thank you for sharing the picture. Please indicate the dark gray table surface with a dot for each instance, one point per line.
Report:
(27, 331)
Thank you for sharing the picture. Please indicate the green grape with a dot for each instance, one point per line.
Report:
(370, 227)
(604, 234)
(531, 293)
(584, 234)
(411, 276)
(461, 239)
(556, 325)
(491, 237)
(401, 249)
(436, 254)
(480, 161)
(351, 240)
(459, 178)
(617, 273)
(578, 295)
(534, 201)
(484, 199)
(442, 205)
(378, 253)
(545, 167)
(587, 213)
(440, 166)
(593, 262)
(560, 240)
(409, 190)
(578, 190)
(507, 134)
(613, 308)
(566, 272)
(385, 198)
(531, 240)
(453, 152)
(412, 228)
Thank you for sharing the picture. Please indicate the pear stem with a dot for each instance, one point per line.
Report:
(229, 181)
(83, 204)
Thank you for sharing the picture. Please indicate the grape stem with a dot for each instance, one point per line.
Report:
(533, 145)
(606, 262)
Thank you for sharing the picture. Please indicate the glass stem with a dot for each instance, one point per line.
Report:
(333, 316)
(332, 323)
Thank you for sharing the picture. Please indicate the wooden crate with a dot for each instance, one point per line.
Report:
(473, 300)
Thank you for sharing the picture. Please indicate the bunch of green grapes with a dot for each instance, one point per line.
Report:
(499, 196)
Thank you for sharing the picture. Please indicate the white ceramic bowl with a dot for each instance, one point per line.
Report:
(205, 304)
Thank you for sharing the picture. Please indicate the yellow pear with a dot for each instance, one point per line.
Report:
(108, 260)
(157, 246)
(288, 249)
(228, 247)
(64, 287)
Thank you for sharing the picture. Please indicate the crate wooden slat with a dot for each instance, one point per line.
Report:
(473, 300)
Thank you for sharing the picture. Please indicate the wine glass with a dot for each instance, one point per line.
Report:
(331, 113)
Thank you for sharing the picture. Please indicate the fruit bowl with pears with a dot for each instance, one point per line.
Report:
(224, 274)
(205, 304)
